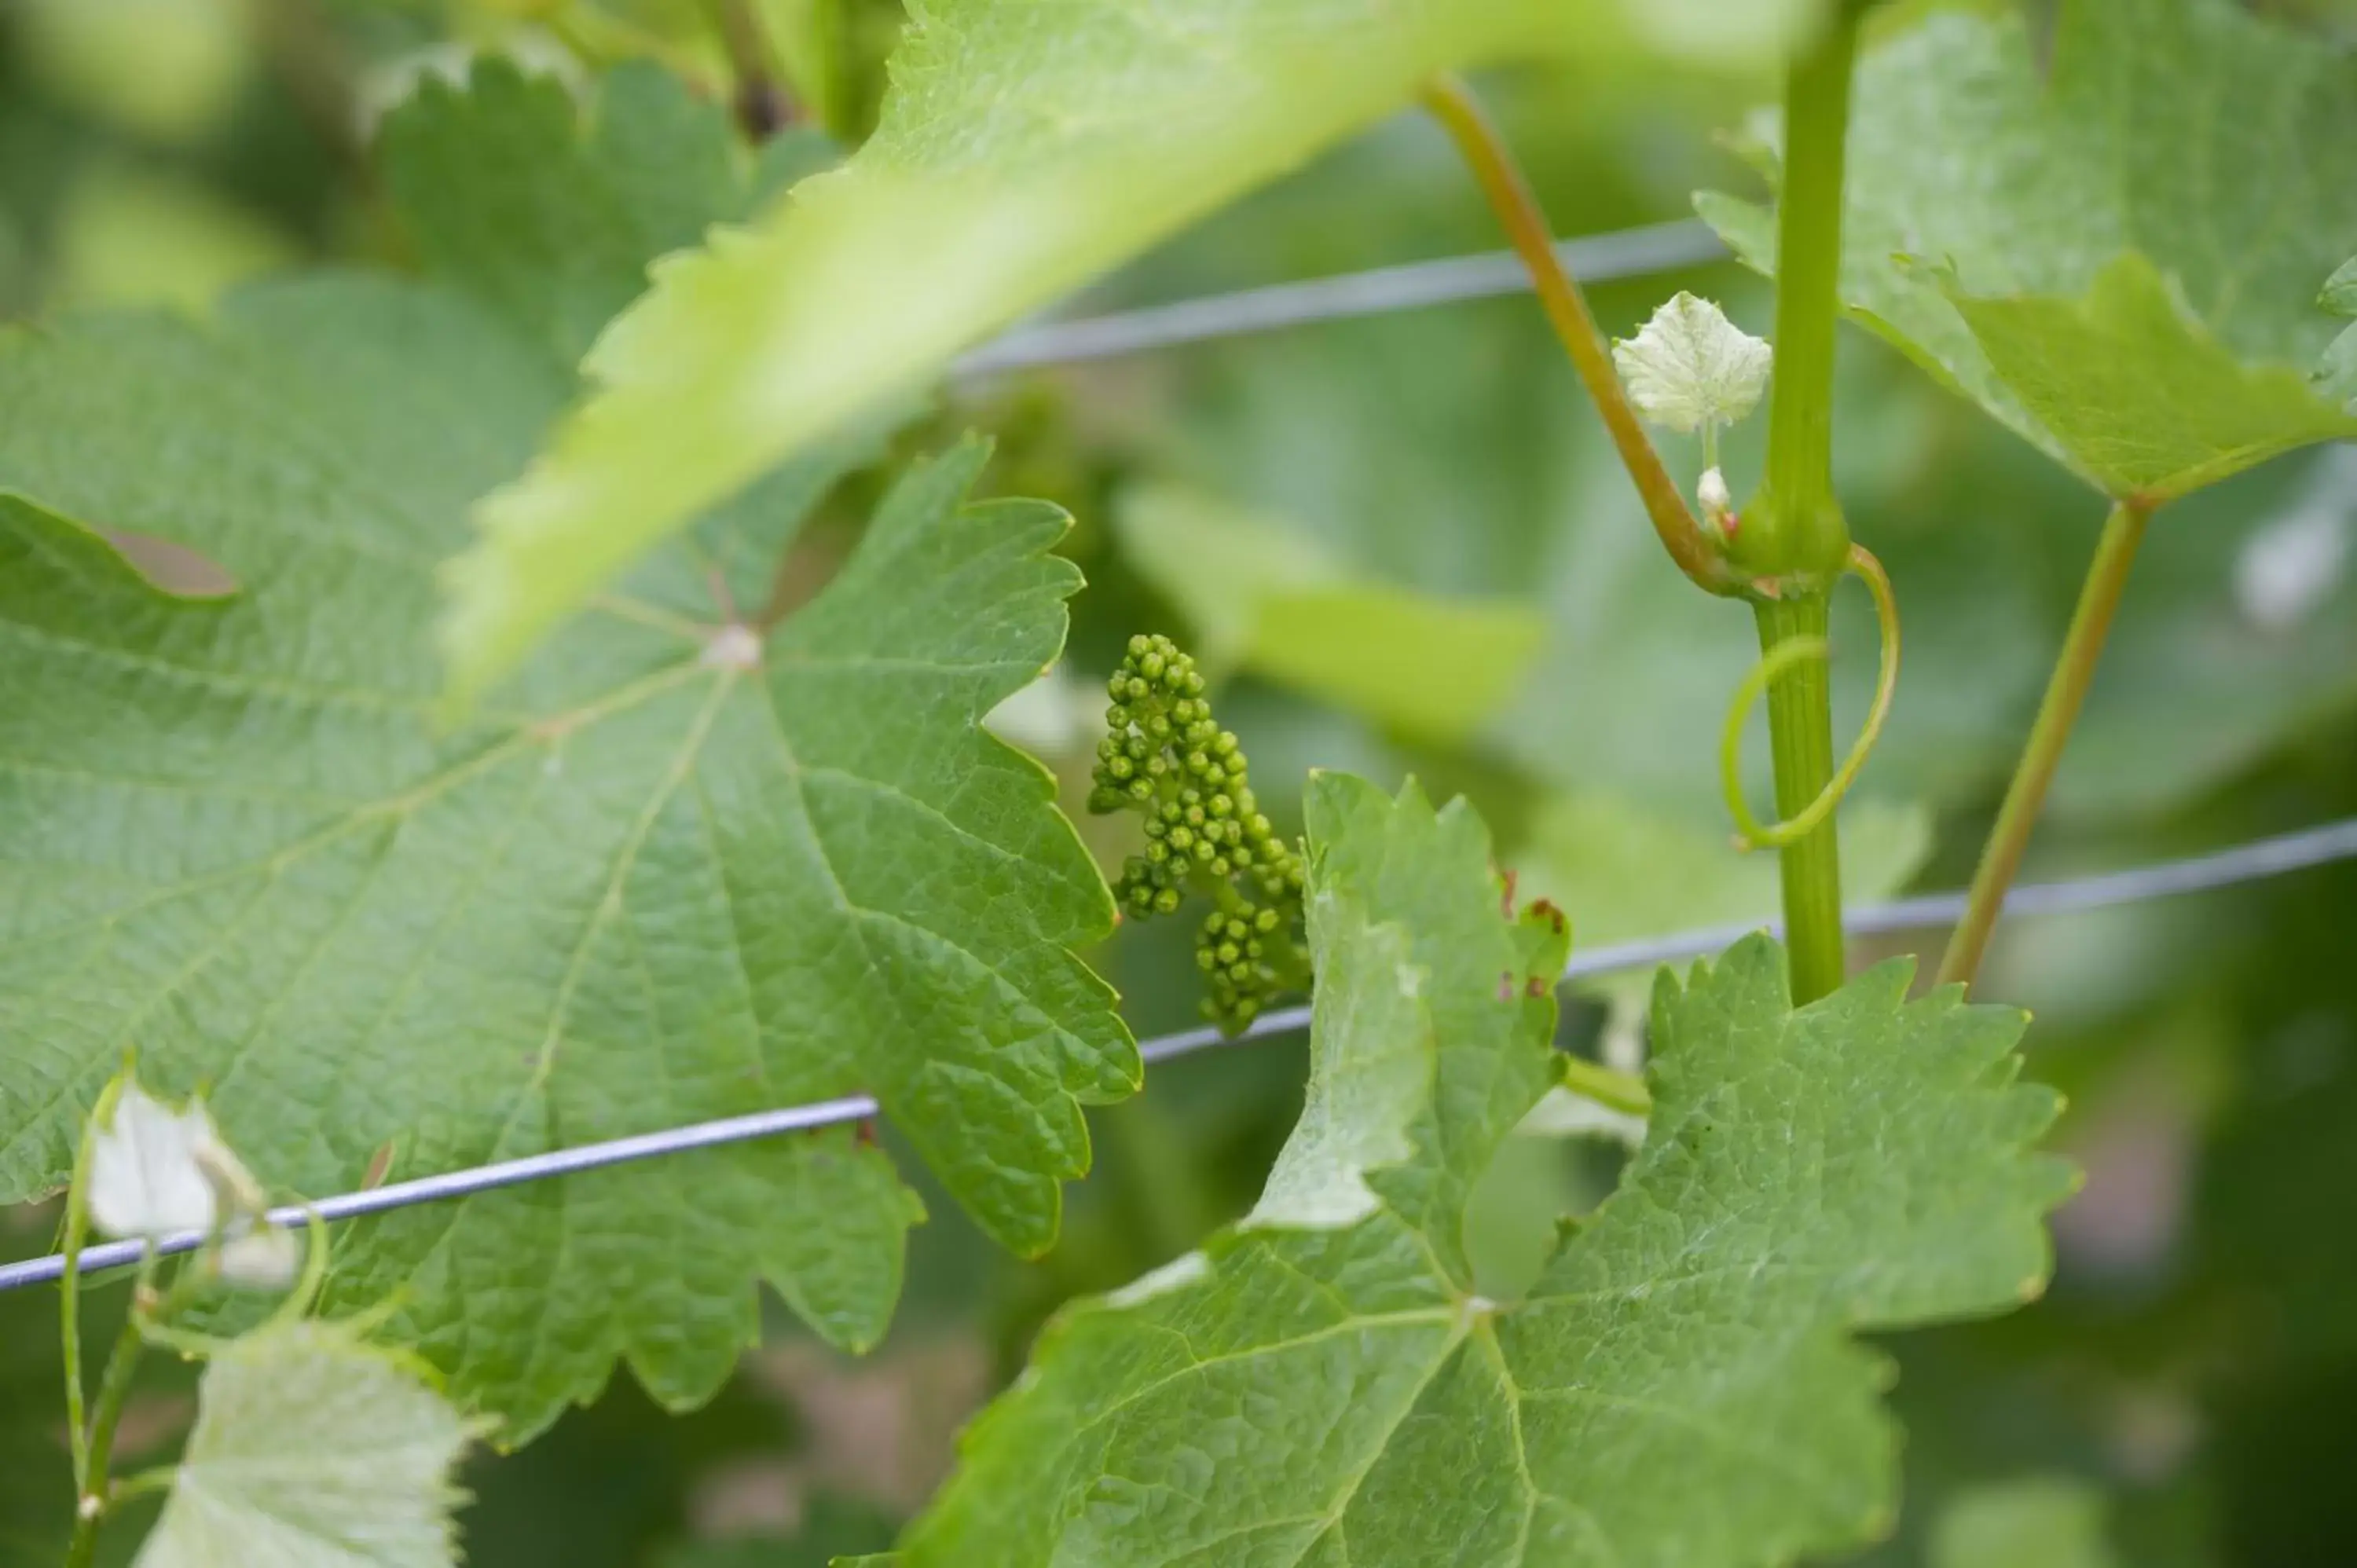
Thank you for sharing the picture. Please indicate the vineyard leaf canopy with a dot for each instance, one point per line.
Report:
(312, 1448)
(668, 880)
(1320, 1386)
(1022, 152)
(2118, 258)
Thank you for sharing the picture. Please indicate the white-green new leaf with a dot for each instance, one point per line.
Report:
(2118, 254)
(683, 871)
(1689, 366)
(1322, 1387)
(148, 1166)
(314, 1450)
(1023, 151)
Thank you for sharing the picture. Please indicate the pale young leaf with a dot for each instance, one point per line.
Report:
(313, 1449)
(264, 1258)
(1689, 366)
(149, 1173)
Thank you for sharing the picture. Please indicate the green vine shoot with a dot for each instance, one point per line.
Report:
(597, 864)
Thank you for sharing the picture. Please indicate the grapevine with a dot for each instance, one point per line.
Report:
(563, 849)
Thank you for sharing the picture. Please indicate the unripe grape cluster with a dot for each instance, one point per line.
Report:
(1165, 759)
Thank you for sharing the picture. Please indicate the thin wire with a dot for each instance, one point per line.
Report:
(1593, 258)
(2252, 862)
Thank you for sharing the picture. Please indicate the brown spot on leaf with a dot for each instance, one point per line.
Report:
(171, 568)
(379, 1163)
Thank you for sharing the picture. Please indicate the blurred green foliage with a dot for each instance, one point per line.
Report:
(1493, 615)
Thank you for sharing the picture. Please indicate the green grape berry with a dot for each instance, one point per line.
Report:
(1166, 757)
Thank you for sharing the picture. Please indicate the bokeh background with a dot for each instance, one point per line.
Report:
(1402, 546)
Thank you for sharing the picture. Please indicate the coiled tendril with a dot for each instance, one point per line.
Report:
(1165, 759)
(1748, 832)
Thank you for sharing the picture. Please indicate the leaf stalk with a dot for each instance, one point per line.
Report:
(1609, 1087)
(1697, 552)
(91, 1495)
(2066, 692)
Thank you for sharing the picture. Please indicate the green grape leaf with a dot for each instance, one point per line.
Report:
(2117, 256)
(1263, 600)
(1019, 155)
(2035, 1521)
(550, 220)
(1320, 1385)
(688, 869)
(2339, 369)
(313, 1449)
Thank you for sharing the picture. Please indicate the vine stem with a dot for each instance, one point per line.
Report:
(113, 1392)
(70, 1314)
(1518, 210)
(2066, 690)
(1791, 650)
(1802, 522)
(1800, 736)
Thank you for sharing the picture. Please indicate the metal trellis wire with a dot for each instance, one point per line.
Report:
(2252, 862)
(1593, 258)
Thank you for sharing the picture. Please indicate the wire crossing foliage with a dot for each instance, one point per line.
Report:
(1168, 759)
(1324, 1383)
(656, 885)
(2259, 860)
